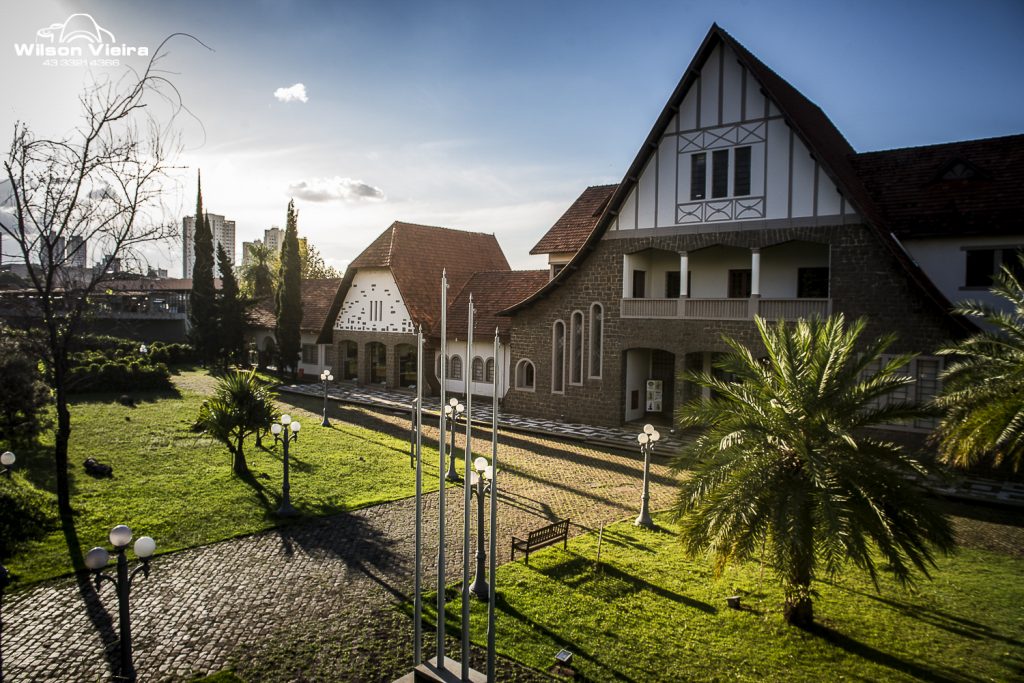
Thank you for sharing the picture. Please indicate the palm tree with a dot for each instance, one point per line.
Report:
(241, 405)
(259, 274)
(782, 466)
(983, 387)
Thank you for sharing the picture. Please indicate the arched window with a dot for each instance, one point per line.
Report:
(478, 369)
(525, 375)
(456, 366)
(558, 357)
(378, 362)
(596, 339)
(437, 366)
(576, 348)
(489, 371)
(348, 359)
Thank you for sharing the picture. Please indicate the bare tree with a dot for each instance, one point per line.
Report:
(102, 184)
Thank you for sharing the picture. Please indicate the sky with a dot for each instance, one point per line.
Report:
(494, 116)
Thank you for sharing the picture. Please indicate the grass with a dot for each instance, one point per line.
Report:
(646, 613)
(177, 486)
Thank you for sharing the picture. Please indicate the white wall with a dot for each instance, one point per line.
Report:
(785, 181)
(709, 270)
(638, 369)
(945, 263)
(780, 265)
(261, 336)
(373, 303)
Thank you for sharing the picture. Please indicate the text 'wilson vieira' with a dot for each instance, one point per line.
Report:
(95, 50)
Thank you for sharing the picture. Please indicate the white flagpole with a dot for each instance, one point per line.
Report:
(498, 366)
(441, 471)
(417, 590)
(467, 456)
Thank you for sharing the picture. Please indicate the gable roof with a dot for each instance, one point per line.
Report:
(316, 300)
(815, 129)
(492, 291)
(416, 256)
(919, 197)
(571, 231)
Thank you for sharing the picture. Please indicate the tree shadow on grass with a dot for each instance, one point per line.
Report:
(872, 654)
(353, 539)
(267, 500)
(607, 582)
(966, 628)
(100, 618)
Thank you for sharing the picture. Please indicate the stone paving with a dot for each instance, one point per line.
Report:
(203, 607)
(968, 488)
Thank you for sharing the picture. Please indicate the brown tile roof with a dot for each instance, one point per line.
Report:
(492, 292)
(958, 188)
(417, 255)
(571, 231)
(317, 296)
(817, 131)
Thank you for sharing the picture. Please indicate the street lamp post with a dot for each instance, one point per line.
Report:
(453, 411)
(480, 481)
(5, 579)
(7, 460)
(96, 560)
(143, 349)
(285, 431)
(647, 439)
(326, 377)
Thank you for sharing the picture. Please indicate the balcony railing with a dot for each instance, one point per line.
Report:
(723, 309)
(649, 308)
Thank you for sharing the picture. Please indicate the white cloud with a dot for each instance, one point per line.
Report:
(335, 189)
(294, 93)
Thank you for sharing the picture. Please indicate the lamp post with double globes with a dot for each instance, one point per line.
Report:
(96, 560)
(480, 481)
(453, 411)
(285, 431)
(647, 439)
(326, 377)
(7, 460)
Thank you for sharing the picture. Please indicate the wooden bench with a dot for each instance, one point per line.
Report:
(538, 538)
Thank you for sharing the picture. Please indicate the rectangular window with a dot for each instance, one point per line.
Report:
(984, 264)
(639, 284)
(309, 354)
(812, 283)
(672, 284)
(739, 283)
(698, 175)
(719, 173)
(741, 172)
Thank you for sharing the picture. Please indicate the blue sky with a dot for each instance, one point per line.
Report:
(494, 116)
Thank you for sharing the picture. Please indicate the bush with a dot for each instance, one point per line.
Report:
(119, 376)
(26, 513)
(23, 395)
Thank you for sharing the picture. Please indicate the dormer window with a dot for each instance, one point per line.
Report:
(960, 170)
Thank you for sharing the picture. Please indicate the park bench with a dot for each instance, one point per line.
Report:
(538, 538)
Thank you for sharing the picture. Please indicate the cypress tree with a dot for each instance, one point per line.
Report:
(230, 311)
(289, 297)
(202, 302)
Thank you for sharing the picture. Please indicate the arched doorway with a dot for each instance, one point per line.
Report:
(348, 360)
(406, 355)
(378, 355)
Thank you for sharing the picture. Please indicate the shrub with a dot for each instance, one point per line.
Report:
(119, 376)
(26, 513)
(23, 395)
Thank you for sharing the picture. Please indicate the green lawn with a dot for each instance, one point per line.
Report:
(177, 486)
(645, 613)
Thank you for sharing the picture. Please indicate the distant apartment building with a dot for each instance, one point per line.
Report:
(272, 238)
(223, 234)
(76, 252)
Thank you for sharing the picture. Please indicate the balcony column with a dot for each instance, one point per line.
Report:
(684, 282)
(626, 275)
(755, 281)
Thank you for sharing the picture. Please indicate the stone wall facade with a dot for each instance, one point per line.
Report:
(391, 342)
(866, 280)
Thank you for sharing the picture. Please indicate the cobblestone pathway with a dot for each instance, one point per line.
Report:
(334, 578)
